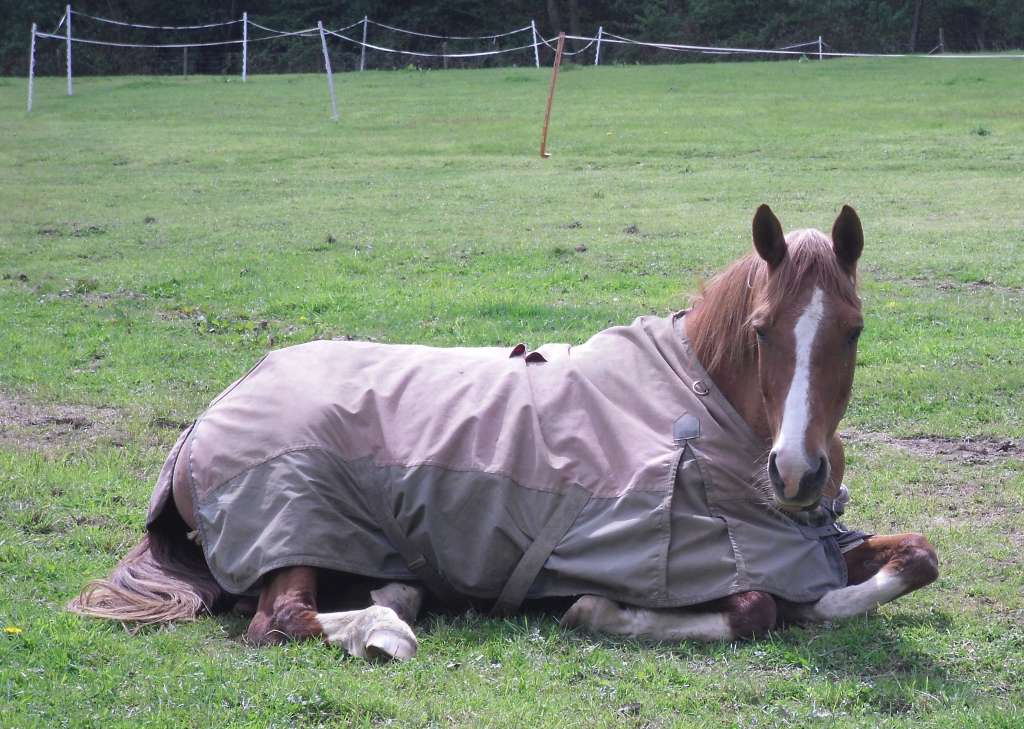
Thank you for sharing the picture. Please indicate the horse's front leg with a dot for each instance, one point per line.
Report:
(743, 615)
(880, 570)
(286, 609)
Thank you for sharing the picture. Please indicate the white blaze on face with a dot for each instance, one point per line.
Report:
(790, 453)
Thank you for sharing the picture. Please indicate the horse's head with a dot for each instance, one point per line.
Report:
(806, 319)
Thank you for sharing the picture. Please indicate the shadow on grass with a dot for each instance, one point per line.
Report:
(872, 645)
(881, 650)
(865, 648)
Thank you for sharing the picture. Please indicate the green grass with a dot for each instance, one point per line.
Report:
(158, 235)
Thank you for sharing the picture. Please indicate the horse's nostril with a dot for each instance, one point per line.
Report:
(800, 485)
(817, 479)
(773, 472)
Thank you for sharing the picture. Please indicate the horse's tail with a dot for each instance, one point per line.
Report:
(164, 578)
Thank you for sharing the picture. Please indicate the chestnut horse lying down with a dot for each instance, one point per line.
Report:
(680, 476)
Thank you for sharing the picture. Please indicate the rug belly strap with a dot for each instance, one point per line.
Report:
(522, 576)
(526, 571)
(414, 559)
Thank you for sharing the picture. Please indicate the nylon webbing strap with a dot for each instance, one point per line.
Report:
(413, 557)
(522, 577)
(825, 530)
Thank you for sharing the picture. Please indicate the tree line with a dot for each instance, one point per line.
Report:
(886, 26)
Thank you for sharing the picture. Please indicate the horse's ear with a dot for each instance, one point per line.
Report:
(847, 238)
(769, 240)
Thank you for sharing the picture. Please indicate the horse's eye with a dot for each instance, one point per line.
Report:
(855, 335)
(761, 332)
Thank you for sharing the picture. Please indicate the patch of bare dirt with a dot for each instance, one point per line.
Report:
(980, 284)
(35, 426)
(170, 423)
(74, 230)
(95, 297)
(970, 451)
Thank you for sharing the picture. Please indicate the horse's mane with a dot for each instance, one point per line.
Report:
(731, 299)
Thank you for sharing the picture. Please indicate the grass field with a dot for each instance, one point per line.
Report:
(158, 235)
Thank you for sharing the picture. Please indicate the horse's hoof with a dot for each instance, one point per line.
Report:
(260, 632)
(586, 612)
(386, 645)
(375, 633)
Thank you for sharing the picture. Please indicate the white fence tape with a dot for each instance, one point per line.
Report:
(605, 38)
(421, 54)
(308, 32)
(798, 45)
(450, 37)
(612, 38)
(569, 53)
(799, 49)
(254, 24)
(155, 27)
(815, 47)
(312, 32)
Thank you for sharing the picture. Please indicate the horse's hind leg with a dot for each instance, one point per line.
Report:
(880, 570)
(743, 615)
(286, 609)
(405, 599)
(381, 631)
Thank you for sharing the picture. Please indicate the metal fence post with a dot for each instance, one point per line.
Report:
(597, 53)
(31, 65)
(362, 50)
(327, 65)
(820, 56)
(536, 47)
(245, 46)
(67, 28)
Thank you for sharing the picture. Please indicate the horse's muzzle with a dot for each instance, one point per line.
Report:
(809, 483)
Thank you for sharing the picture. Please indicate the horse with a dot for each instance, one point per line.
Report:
(677, 479)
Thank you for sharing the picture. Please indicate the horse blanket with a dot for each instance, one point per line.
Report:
(612, 468)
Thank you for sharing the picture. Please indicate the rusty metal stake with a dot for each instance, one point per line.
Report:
(551, 95)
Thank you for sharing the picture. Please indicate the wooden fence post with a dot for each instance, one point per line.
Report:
(551, 95)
